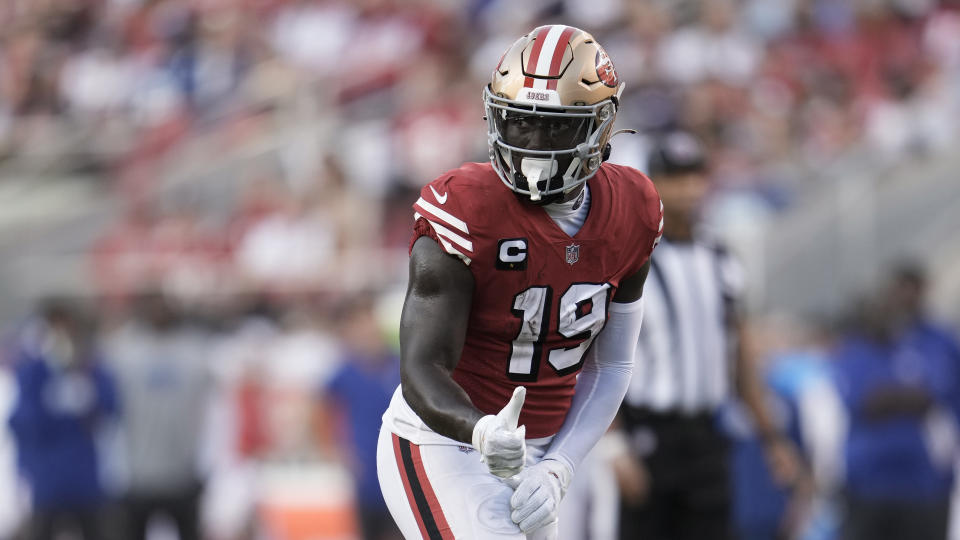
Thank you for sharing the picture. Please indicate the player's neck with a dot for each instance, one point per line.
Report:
(569, 205)
(570, 215)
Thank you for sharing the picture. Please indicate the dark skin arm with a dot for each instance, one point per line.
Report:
(631, 287)
(432, 332)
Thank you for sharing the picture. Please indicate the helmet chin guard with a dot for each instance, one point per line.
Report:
(536, 170)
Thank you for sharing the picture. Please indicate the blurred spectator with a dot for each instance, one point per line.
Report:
(359, 392)
(163, 377)
(899, 376)
(211, 62)
(240, 405)
(774, 89)
(293, 248)
(805, 404)
(64, 395)
(303, 356)
(715, 47)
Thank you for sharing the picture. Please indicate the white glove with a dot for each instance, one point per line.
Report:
(499, 441)
(537, 494)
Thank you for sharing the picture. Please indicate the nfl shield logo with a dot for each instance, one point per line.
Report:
(573, 253)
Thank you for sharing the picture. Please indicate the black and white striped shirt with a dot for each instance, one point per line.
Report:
(683, 362)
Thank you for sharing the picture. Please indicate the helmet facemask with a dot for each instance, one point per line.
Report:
(559, 146)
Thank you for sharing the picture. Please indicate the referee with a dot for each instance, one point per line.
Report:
(675, 480)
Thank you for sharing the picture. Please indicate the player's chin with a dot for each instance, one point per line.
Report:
(555, 183)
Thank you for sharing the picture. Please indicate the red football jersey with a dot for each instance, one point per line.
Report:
(540, 296)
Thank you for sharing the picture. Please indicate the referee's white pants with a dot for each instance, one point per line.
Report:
(444, 492)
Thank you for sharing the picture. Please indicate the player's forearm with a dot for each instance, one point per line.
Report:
(601, 385)
(440, 402)
(433, 328)
(598, 397)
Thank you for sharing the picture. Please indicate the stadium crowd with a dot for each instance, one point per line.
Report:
(262, 156)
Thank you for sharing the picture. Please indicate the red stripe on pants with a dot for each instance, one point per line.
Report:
(406, 485)
(432, 500)
(433, 525)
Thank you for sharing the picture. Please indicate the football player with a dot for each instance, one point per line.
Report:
(524, 272)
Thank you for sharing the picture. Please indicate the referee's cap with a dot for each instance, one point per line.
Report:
(677, 152)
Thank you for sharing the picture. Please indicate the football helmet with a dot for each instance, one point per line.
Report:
(550, 107)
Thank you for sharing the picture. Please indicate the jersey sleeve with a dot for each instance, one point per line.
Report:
(442, 213)
(648, 221)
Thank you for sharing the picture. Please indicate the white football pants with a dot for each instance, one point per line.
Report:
(444, 492)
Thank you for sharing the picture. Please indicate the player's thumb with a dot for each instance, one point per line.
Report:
(510, 414)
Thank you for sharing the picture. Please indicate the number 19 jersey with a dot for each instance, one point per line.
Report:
(540, 296)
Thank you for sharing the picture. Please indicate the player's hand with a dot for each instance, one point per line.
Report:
(499, 440)
(537, 494)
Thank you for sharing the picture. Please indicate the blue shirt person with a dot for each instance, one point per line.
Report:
(898, 375)
(64, 394)
(898, 395)
(359, 392)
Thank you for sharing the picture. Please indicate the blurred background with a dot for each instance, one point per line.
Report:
(206, 213)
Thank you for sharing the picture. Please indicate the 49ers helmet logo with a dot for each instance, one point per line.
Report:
(605, 70)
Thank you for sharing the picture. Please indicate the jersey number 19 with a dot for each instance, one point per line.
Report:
(581, 316)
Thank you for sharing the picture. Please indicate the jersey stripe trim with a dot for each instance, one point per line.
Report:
(450, 235)
(423, 500)
(452, 250)
(444, 242)
(443, 216)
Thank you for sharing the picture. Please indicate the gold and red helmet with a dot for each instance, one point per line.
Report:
(550, 108)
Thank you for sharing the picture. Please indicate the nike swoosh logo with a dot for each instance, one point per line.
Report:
(442, 199)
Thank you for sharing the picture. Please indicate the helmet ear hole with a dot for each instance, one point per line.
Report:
(606, 151)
